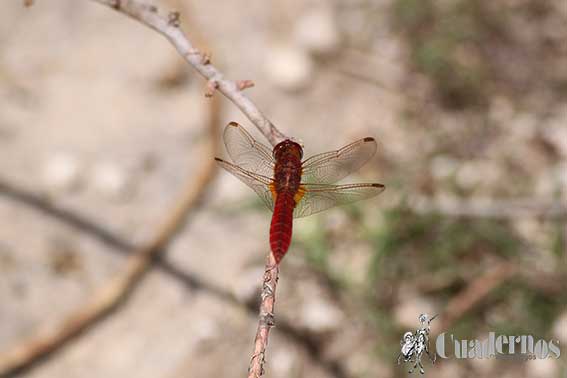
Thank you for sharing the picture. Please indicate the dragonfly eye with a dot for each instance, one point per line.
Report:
(288, 147)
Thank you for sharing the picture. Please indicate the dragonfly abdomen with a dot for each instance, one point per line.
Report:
(281, 227)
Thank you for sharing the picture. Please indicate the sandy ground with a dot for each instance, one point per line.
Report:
(85, 123)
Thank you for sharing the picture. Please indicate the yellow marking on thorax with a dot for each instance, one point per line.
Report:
(299, 194)
(274, 192)
(301, 190)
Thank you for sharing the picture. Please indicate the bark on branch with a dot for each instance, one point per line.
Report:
(266, 318)
(167, 24)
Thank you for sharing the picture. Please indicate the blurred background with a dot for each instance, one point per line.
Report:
(101, 120)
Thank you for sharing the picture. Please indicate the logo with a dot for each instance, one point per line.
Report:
(526, 347)
(502, 347)
(413, 345)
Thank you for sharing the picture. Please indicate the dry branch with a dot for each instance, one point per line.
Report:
(476, 291)
(167, 24)
(266, 320)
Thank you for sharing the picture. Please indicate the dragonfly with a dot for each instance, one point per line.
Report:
(292, 187)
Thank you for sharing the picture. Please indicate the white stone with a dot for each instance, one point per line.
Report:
(289, 67)
(283, 362)
(468, 175)
(320, 316)
(62, 172)
(204, 330)
(317, 31)
(110, 180)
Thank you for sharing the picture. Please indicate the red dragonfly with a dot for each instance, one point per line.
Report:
(293, 188)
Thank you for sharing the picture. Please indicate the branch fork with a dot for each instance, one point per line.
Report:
(174, 19)
(244, 84)
(212, 86)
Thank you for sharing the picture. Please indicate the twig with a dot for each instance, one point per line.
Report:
(244, 84)
(266, 318)
(167, 24)
(117, 290)
(476, 291)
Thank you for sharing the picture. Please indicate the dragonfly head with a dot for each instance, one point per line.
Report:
(288, 147)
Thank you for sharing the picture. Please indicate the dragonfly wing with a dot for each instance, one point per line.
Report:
(247, 152)
(319, 197)
(330, 167)
(260, 184)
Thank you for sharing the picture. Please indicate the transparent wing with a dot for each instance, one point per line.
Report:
(329, 167)
(319, 197)
(246, 152)
(260, 184)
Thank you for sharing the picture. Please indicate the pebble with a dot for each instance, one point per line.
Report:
(289, 67)
(204, 330)
(62, 172)
(283, 362)
(317, 31)
(111, 181)
(320, 316)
